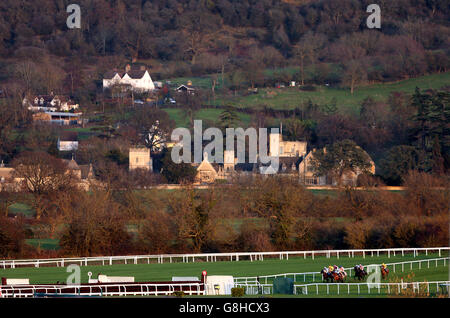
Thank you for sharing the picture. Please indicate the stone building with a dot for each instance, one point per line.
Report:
(139, 158)
(280, 148)
(307, 174)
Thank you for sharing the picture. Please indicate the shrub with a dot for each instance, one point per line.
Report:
(179, 293)
(237, 292)
(308, 88)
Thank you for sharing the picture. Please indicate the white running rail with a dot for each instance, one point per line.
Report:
(345, 288)
(214, 257)
(316, 275)
(144, 289)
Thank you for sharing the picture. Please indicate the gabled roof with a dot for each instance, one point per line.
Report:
(205, 165)
(185, 87)
(72, 165)
(47, 98)
(285, 164)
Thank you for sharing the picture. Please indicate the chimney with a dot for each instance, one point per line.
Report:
(127, 68)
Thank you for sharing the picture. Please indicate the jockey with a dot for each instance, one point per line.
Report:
(343, 270)
(330, 268)
(361, 267)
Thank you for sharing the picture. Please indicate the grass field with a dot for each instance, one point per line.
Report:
(291, 97)
(21, 208)
(206, 114)
(44, 244)
(164, 272)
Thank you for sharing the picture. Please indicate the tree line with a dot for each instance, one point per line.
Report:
(252, 214)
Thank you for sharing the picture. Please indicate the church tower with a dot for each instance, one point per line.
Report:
(139, 158)
(228, 160)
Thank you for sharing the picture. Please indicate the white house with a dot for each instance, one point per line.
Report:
(138, 79)
(49, 103)
(68, 141)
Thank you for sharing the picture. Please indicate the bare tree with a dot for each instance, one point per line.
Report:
(355, 74)
(41, 175)
(307, 49)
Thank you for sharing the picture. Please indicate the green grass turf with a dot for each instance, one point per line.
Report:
(21, 208)
(205, 114)
(291, 97)
(164, 272)
(44, 244)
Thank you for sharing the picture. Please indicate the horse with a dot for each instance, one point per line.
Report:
(359, 273)
(338, 277)
(326, 275)
(384, 272)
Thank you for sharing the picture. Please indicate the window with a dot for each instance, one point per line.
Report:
(311, 181)
(137, 159)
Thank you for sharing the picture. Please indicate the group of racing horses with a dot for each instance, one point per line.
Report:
(338, 274)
